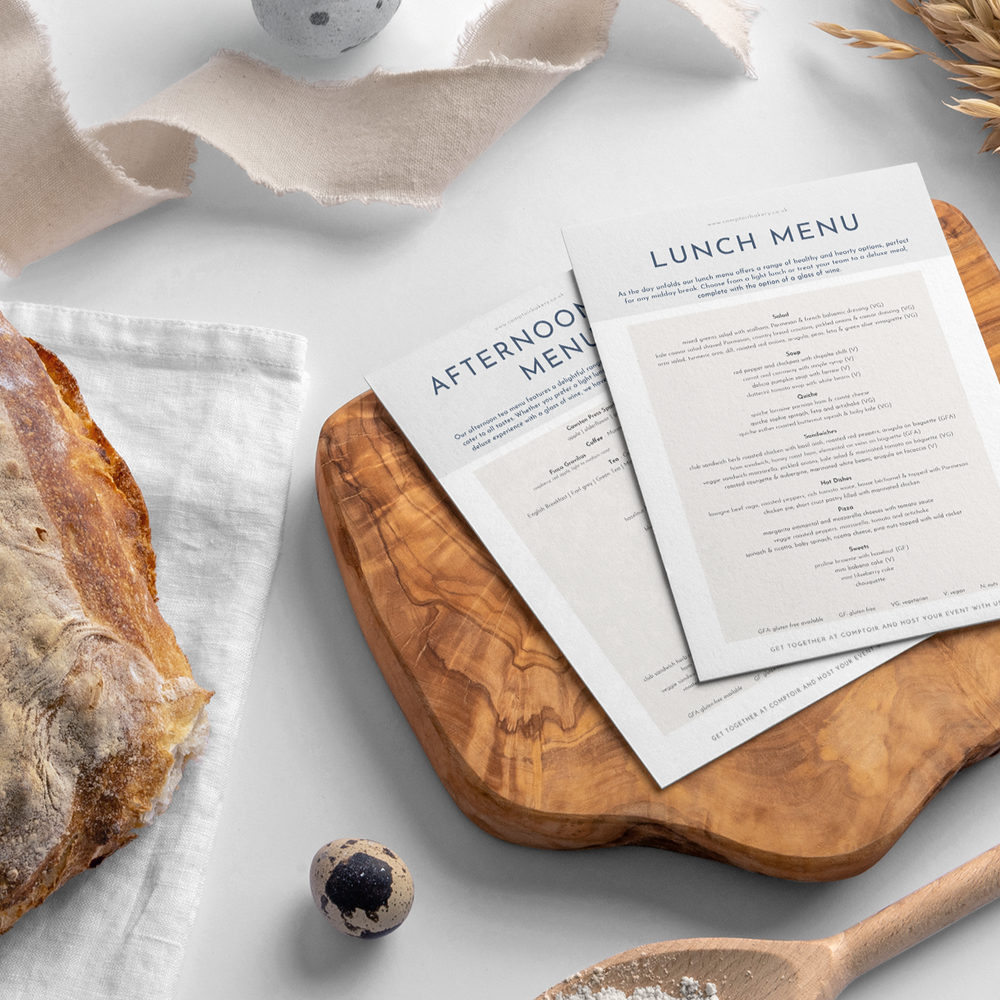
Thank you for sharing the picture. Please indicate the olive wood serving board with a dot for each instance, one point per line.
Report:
(528, 754)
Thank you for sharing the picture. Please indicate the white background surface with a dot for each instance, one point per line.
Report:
(324, 751)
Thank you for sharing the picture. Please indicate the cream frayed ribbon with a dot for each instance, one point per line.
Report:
(393, 137)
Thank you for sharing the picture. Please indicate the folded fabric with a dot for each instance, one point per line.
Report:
(395, 137)
(205, 416)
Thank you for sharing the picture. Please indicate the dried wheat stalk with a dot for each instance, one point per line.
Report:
(971, 29)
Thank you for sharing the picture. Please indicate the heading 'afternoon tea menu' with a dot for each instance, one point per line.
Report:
(513, 416)
(813, 417)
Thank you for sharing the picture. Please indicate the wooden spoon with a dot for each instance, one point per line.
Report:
(745, 969)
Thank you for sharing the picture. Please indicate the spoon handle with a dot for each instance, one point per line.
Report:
(920, 914)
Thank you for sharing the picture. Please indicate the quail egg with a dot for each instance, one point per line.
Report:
(362, 888)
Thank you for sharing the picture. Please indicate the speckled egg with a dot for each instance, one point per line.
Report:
(363, 888)
(324, 27)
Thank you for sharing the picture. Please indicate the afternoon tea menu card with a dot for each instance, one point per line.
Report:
(812, 415)
(512, 414)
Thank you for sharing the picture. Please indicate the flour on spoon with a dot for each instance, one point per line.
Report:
(690, 990)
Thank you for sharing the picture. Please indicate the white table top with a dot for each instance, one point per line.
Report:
(324, 751)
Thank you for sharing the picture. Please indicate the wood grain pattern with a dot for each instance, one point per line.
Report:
(528, 754)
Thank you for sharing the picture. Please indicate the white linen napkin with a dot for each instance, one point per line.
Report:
(205, 416)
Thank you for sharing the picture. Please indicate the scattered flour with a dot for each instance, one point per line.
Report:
(690, 990)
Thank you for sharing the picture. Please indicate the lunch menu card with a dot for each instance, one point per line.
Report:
(743, 454)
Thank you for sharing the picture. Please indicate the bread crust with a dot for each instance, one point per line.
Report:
(98, 708)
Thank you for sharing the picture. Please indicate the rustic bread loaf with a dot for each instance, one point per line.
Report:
(98, 709)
